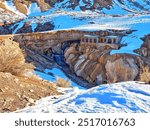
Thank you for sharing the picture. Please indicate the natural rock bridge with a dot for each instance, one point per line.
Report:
(86, 64)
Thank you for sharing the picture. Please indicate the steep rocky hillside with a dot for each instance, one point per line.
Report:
(79, 5)
(19, 86)
(8, 16)
(34, 15)
(97, 66)
(44, 15)
(23, 6)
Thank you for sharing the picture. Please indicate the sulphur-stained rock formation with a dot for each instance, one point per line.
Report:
(19, 86)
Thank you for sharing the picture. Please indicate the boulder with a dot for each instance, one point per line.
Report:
(122, 69)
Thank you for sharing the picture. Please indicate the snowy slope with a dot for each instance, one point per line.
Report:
(119, 97)
(117, 6)
(55, 72)
(128, 6)
(114, 7)
(70, 6)
(9, 13)
(139, 23)
(10, 6)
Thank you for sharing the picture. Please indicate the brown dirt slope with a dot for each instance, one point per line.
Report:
(19, 86)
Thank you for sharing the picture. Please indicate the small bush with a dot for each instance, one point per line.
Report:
(12, 59)
(145, 75)
(60, 82)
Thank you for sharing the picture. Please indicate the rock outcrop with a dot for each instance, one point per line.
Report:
(122, 68)
(144, 50)
(96, 65)
(26, 28)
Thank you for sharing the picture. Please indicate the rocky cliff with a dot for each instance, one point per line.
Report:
(144, 50)
(97, 66)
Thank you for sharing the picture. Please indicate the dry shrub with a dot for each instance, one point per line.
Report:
(12, 59)
(60, 82)
(145, 75)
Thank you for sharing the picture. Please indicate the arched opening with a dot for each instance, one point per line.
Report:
(101, 40)
(82, 39)
(90, 40)
(106, 33)
(115, 41)
(86, 39)
(109, 41)
(104, 40)
(95, 40)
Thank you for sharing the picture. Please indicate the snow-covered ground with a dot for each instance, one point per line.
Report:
(119, 97)
(52, 74)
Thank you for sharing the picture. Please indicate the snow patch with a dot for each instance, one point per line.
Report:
(34, 9)
(119, 97)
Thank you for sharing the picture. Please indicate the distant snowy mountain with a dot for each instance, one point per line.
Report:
(50, 15)
(128, 6)
(107, 7)
(35, 11)
(110, 98)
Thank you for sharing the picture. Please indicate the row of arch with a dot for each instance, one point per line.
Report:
(99, 40)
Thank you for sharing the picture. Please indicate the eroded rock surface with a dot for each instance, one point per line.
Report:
(97, 66)
(144, 50)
